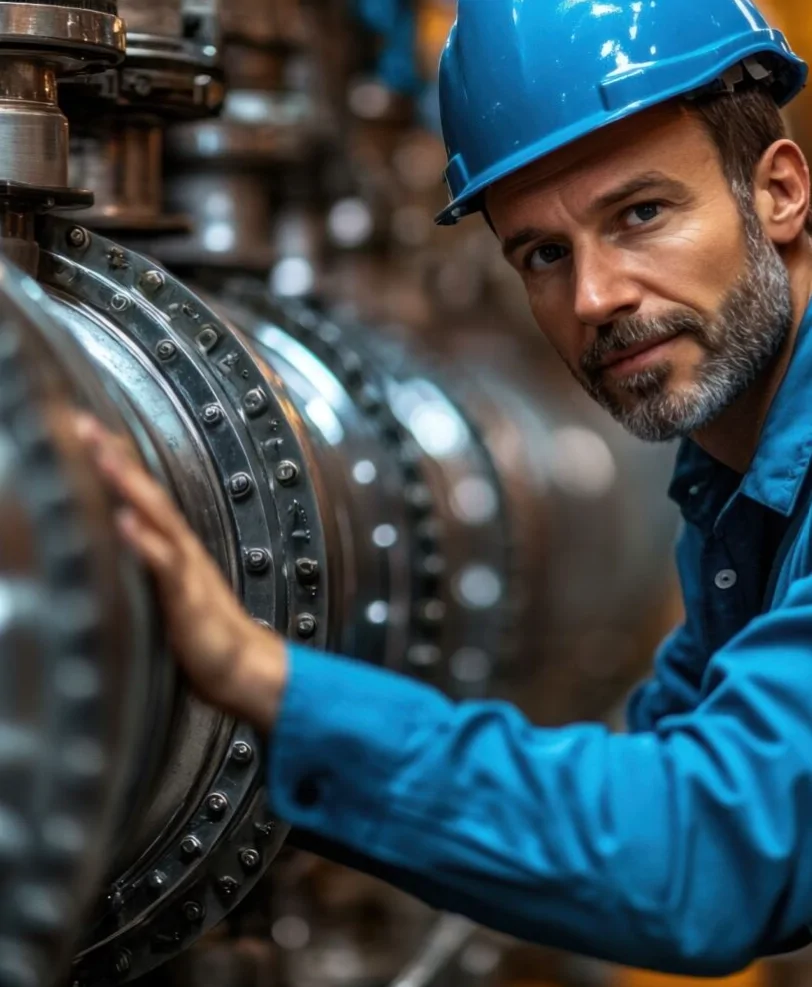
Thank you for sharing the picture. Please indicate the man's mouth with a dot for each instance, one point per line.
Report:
(633, 359)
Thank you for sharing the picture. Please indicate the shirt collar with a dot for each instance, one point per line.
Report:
(701, 486)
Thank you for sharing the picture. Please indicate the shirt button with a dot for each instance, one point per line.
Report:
(725, 579)
(308, 792)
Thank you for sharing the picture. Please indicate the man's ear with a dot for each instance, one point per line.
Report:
(781, 187)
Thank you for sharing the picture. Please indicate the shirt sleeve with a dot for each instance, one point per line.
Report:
(680, 662)
(686, 849)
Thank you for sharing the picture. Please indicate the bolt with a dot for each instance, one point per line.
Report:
(77, 237)
(165, 350)
(352, 367)
(119, 302)
(228, 886)
(307, 571)
(115, 902)
(249, 858)
(216, 805)
(152, 280)
(122, 964)
(306, 625)
(241, 752)
(207, 338)
(287, 473)
(156, 880)
(193, 911)
(254, 402)
(240, 485)
(433, 565)
(212, 414)
(190, 847)
(418, 497)
(257, 560)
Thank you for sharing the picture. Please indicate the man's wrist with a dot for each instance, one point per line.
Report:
(260, 678)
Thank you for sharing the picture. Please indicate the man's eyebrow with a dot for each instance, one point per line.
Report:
(650, 181)
(640, 183)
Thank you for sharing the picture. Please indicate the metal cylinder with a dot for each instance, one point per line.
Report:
(33, 130)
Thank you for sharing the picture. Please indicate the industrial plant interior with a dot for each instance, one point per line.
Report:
(217, 237)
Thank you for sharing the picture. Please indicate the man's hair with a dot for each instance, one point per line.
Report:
(742, 125)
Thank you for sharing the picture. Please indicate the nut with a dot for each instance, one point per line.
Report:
(306, 625)
(165, 350)
(241, 752)
(287, 473)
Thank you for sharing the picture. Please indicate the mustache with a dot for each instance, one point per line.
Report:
(635, 329)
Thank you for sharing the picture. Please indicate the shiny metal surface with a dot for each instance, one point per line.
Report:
(69, 601)
(33, 130)
(152, 17)
(74, 34)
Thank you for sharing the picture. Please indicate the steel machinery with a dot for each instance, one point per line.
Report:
(354, 498)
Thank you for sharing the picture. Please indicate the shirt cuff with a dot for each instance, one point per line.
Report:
(342, 734)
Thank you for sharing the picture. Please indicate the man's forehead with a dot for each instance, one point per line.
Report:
(664, 136)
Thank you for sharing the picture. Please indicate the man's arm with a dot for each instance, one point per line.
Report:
(686, 849)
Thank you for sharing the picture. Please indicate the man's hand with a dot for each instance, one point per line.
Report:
(232, 662)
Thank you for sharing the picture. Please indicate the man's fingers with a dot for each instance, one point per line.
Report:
(158, 552)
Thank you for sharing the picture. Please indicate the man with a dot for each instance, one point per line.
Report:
(630, 157)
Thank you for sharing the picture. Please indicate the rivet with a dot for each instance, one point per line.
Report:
(193, 911)
(212, 414)
(77, 237)
(352, 366)
(254, 402)
(249, 858)
(152, 280)
(190, 847)
(156, 880)
(257, 560)
(240, 485)
(165, 350)
(307, 571)
(287, 473)
(329, 332)
(369, 398)
(119, 302)
(241, 752)
(227, 886)
(207, 338)
(306, 625)
(122, 964)
(216, 804)
(433, 565)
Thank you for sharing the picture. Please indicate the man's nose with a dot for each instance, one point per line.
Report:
(604, 290)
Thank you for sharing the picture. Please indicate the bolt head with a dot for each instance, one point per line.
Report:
(307, 571)
(122, 963)
(287, 473)
(254, 402)
(241, 752)
(216, 804)
(193, 911)
(240, 485)
(257, 560)
(152, 280)
(249, 858)
(212, 414)
(77, 237)
(156, 880)
(190, 847)
(306, 625)
(166, 349)
(228, 886)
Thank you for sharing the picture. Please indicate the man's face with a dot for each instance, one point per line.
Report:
(660, 291)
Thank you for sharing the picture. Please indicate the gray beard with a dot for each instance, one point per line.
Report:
(754, 321)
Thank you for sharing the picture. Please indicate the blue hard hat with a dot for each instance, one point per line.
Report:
(522, 78)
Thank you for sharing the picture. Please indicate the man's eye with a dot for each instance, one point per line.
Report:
(544, 257)
(643, 213)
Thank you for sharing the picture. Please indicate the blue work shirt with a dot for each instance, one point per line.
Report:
(683, 845)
